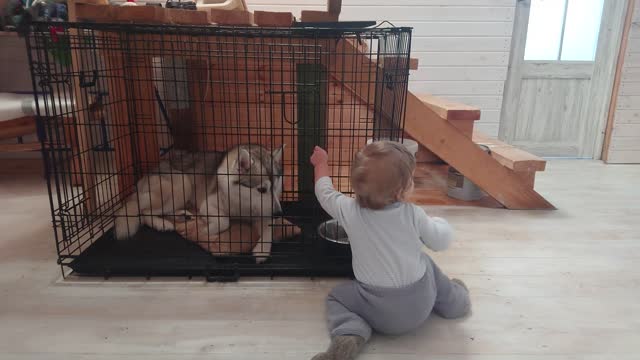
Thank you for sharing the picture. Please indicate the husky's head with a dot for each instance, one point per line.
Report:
(254, 181)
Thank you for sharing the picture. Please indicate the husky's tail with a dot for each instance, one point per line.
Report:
(128, 219)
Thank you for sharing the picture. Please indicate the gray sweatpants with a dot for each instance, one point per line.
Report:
(354, 308)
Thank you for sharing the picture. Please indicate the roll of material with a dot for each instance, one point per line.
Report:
(14, 106)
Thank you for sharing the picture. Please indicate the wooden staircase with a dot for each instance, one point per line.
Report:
(445, 129)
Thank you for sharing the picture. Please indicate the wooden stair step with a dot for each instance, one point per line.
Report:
(460, 115)
(450, 110)
(509, 156)
(512, 189)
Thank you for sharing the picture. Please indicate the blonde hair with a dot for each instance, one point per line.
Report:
(382, 173)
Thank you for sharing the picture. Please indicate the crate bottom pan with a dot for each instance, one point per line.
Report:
(154, 253)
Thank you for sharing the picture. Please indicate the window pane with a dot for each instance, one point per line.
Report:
(581, 30)
(544, 30)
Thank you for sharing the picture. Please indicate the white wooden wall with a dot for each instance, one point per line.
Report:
(463, 45)
(624, 146)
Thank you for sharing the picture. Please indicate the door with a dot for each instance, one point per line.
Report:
(561, 75)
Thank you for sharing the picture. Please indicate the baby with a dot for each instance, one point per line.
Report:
(397, 285)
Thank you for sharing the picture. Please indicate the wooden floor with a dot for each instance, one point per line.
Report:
(550, 285)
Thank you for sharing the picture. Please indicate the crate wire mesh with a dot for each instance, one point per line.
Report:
(143, 124)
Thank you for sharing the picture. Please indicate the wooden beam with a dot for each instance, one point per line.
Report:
(334, 6)
(97, 13)
(424, 155)
(513, 158)
(231, 17)
(187, 17)
(450, 110)
(81, 120)
(441, 137)
(123, 134)
(32, 146)
(139, 75)
(318, 16)
(92, 2)
(140, 14)
(616, 80)
(17, 127)
(391, 60)
(273, 18)
(464, 126)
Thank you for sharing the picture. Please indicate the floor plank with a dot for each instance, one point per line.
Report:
(546, 285)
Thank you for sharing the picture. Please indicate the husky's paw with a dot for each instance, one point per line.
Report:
(161, 224)
(259, 255)
(184, 215)
(218, 224)
(261, 251)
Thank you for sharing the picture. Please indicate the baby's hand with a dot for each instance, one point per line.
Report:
(319, 156)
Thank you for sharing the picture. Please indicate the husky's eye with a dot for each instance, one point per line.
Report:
(262, 189)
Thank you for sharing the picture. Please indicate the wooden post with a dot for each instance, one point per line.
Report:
(139, 75)
(616, 80)
(119, 121)
(334, 6)
(311, 120)
(194, 129)
(83, 135)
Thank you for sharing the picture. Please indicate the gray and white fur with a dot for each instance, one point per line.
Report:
(245, 183)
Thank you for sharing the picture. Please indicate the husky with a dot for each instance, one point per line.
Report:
(245, 183)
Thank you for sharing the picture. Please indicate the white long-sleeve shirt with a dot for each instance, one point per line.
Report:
(386, 244)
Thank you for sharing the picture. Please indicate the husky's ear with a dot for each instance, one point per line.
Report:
(277, 153)
(244, 160)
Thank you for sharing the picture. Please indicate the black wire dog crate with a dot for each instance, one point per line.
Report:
(145, 132)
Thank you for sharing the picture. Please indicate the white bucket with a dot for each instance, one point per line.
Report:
(410, 145)
(461, 188)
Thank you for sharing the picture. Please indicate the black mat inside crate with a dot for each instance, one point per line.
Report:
(154, 253)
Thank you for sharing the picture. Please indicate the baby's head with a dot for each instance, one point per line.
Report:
(382, 174)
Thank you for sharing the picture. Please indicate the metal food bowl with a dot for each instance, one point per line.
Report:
(333, 232)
